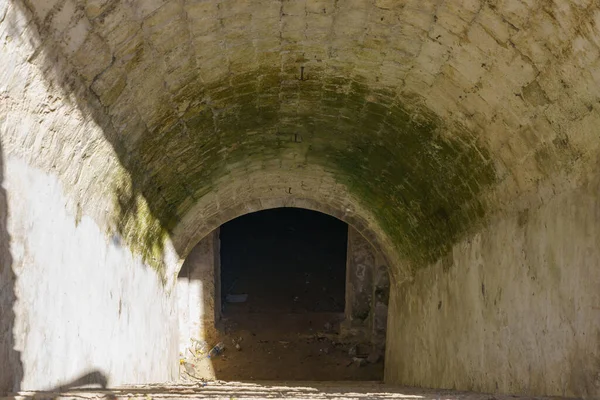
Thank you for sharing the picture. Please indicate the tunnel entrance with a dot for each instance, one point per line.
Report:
(291, 293)
(283, 261)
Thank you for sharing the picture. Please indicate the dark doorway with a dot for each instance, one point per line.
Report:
(284, 260)
(283, 290)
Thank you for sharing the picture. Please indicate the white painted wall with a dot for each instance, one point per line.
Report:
(73, 299)
(514, 309)
(84, 302)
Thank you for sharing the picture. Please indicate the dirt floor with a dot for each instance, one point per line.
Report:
(292, 347)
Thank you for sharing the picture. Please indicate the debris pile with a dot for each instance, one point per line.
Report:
(195, 354)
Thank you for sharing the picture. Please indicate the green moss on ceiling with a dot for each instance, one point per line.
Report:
(420, 180)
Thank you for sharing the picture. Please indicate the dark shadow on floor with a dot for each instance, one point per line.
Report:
(283, 275)
(86, 380)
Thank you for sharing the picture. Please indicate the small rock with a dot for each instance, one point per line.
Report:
(238, 347)
(359, 361)
(353, 351)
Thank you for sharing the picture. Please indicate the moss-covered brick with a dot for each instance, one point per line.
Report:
(420, 178)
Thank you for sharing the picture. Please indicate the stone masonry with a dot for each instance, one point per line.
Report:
(459, 137)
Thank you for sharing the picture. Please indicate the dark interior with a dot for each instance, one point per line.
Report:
(286, 260)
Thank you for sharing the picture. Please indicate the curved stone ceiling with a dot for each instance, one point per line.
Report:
(432, 114)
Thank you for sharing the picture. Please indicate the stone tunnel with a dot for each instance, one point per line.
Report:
(458, 139)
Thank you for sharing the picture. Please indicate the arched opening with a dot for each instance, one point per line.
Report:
(292, 293)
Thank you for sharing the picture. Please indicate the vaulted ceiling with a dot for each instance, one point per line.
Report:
(431, 114)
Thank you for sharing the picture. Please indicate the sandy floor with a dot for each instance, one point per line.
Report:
(267, 390)
(290, 347)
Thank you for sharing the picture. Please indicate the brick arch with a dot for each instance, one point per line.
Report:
(381, 263)
(282, 189)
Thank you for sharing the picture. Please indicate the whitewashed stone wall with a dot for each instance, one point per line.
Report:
(513, 309)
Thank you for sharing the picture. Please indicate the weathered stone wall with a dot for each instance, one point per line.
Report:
(360, 268)
(418, 119)
(76, 297)
(512, 309)
(198, 293)
(432, 116)
(381, 297)
(84, 302)
(367, 291)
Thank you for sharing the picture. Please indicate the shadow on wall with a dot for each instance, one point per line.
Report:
(59, 75)
(143, 224)
(132, 218)
(11, 369)
(195, 162)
